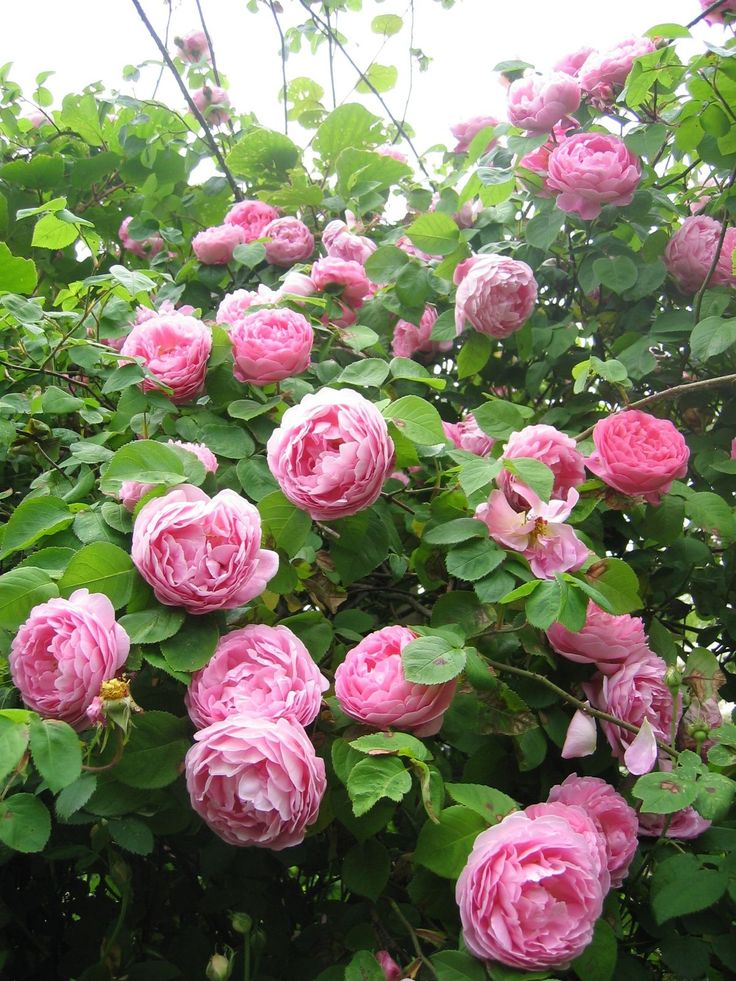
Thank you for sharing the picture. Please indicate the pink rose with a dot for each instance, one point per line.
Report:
(193, 46)
(63, 652)
(203, 453)
(258, 670)
(581, 822)
(548, 445)
(607, 641)
(255, 781)
(571, 63)
(175, 349)
(389, 150)
(294, 284)
(464, 132)
(604, 73)
(406, 245)
(467, 214)
(270, 345)
(410, 339)
(234, 306)
(166, 308)
(590, 170)
(342, 243)
(131, 491)
(495, 294)
(371, 688)
(530, 893)
(391, 970)
(331, 453)
(690, 252)
(252, 217)
(37, 117)
(214, 104)
(346, 273)
(616, 821)
(144, 248)
(685, 824)
(722, 15)
(536, 102)
(288, 240)
(202, 553)
(215, 246)
(467, 435)
(638, 454)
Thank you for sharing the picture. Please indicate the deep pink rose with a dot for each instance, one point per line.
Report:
(131, 491)
(331, 453)
(717, 17)
(63, 652)
(410, 339)
(685, 824)
(590, 170)
(255, 781)
(638, 454)
(215, 246)
(604, 73)
(530, 893)
(571, 63)
(175, 349)
(342, 243)
(371, 688)
(193, 46)
(258, 670)
(605, 640)
(464, 132)
(144, 248)
(467, 435)
(536, 102)
(331, 272)
(616, 821)
(690, 252)
(288, 240)
(548, 445)
(252, 217)
(234, 306)
(270, 345)
(391, 970)
(214, 104)
(202, 553)
(495, 294)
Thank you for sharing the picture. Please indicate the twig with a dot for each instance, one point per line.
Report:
(716, 255)
(57, 374)
(705, 13)
(209, 42)
(284, 83)
(166, 42)
(411, 63)
(331, 55)
(414, 939)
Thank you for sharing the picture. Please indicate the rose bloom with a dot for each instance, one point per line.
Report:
(536, 102)
(214, 104)
(63, 652)
(294, 284)
(193, 46)
(638, 454)
(391, 970)
(202, 553)
(548, 445)
(464, 132)
(258, 670)
(37, 117)
(405, 244)
(270, 345)
(255, 781)
(410, 339)
(581, 822)
(616, 821)
(530, 893)
(717, 16)
(131, 491)
(607, 641)
(175, 349)
(331, 453)
(495, 294)
(215, 246)
(234, 306)
(371, 688)
(685, 824)
(467, 435)
(350, 275)
(690, 252)
(166, 308)
(144, 248)
(252, 217)
(344, 244)
(571, 63)
(288, 240)
(590, 170)
(389, 150)
(605, 72)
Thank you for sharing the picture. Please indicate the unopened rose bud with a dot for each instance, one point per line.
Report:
(673, 677)
(241, 922)
(219, 968)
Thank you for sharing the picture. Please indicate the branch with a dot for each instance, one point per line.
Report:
(237, 194)
(706, 12)
(414, 939)
(716, 255)
(209, 42)
(284, 84)
(58, 374)
(166, 43)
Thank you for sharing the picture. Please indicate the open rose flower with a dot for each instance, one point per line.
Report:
(193, 46)
(270, 345)
(175, 349)
(371, 688)
(252, 217)
(214, 104)
(495, 294)
(331, 453)
(604, 73)
(536, 102)
(590, 170)
(690, 252)
(605, 640)
(288, 240)
(465, 132)
(582, 822)
(571, 63)
(412, 339)
(391, 970)
(144, 248)
(63, 652)
(259, 670)
(467, 435)
(555, 449)
(215, 246)
(202, 553)
(332, 273)
(721, 15)
(685, 825)
(131, 491)
(638, 454)
(342, 243)
(234, 306)
(255, 781)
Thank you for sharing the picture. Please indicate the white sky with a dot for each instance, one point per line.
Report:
(90, 40)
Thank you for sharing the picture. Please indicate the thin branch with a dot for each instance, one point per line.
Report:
(209, 42)
(166, 42)
(414, 939)
(716, 255)
(411, 64)
(331, 55)
(57, 374)
(705, 13)
(284, 83)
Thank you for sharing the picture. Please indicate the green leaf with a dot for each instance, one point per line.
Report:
(378, 78)
(681, 885)
(598, 960)
(715, 795)
(532, 473)
(348, 126)
(374, 778)
(152, 626)
(364, 967)
(476, 473)
(492, 805)
(366, 868)
(123, 377)
(712, 337)
(432, 660)
(193, 646)
(457, 965)
(385, 263)
(435, 233)
(544, 228)
(58, 402)
(444, 848)
(17, 275)
(132, 834)
(543, 606)
(25, 824)
(13, 744)
(618, 273)
(20, 591)
(100, 568)
(368, 373)
(619, 585)
(412, 371)
(392, 743)
(40, 172)
(225, 439)
(263, 152)
(667, 31)
(664, 793)
(150, 462)
(475, 559)
(33, 519)
(286, 523)
(250, 255)
(387, 24)
(73, 797)
(416, 419)
(50, 233)
(249, 409)
(155, 751)
(711, 513)
(313, 629)
(56, 752)
(133, 280)
(474, 354)
(457, 530)
(499, 419)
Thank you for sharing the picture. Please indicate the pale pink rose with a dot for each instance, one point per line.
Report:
(584, 824)
(252, 217)
(203, 453)
(342, 243)
(467, 214)
(638, 454)
(538, 532)
(193, 46)
(697, 723)
(63, 652)
(144, 248)
(371, 688)
(464, 132)
(288, 240)
(332, 271)
(331, 453)
(604, 73)
(467, 435)
(553, 448)
(591, 170)
(410, 339)
(581, 737)
(131, 491)
(391, 970)
(530, 893)
(166, 308)
(270, 345)
(95, 712)
(613, 816)
(605, 640)
(495, 294)
(37, 117)
(214, 104)
(690, 252)
(685, 825)
(406, 245)
(175, 349)
(537, 102)
(295, 284)
(258, 670)
(641, 753)
(255, 781)
(571, 63)
(234, 306)
(202, 553)
(215, 246)
(389, 150)
(722, 15)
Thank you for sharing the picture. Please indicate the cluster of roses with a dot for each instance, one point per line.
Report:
(211, 100)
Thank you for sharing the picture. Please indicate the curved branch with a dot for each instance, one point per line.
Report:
(284, 83)
(209, 42)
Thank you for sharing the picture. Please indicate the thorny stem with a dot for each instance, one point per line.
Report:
(117, 756)
(284, 83)
(414, 939)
